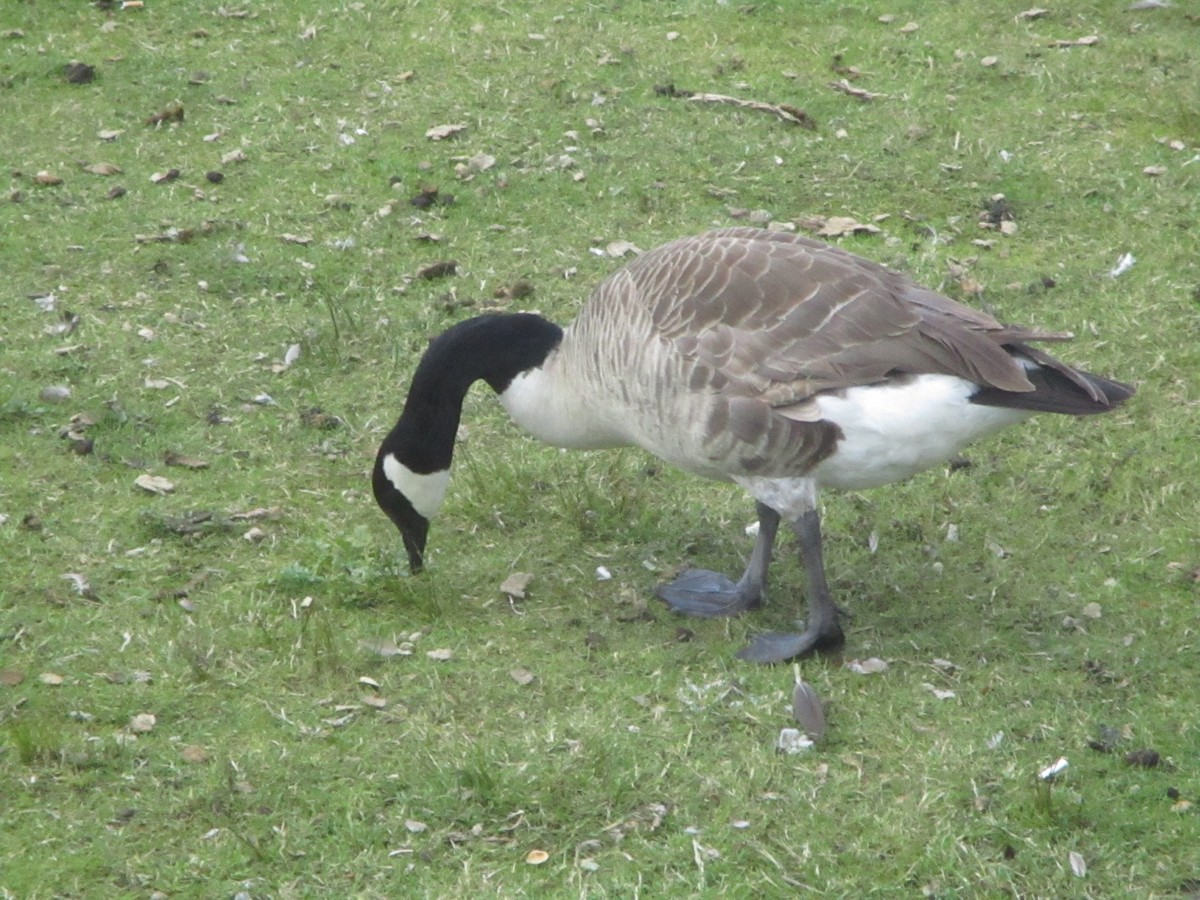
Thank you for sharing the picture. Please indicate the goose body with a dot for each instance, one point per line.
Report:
(768, 359)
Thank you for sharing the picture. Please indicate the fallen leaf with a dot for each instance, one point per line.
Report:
(102, 169)
(110, 134)
(11, 677)
(1078, 865)
(1087, 41)
(836, 226)
(1035, 13)
(414, 826)
(536, 857)
(1154, 171)
(909, 28)
(481, 162)
(171, 458)
(440, 655)
(989, 61)
(522, 676)
(165, 177)
(47, 179)
(515, 584)
(441, 132)
(233, 156)
(872, 666)
(296, 239)
(438, 269)
(143, 723)
(383, 647)
(194, 754)
(173, 112)
(617, 249)
(1092, 611)
(938, 692)
(1147, 758)
(51, 678)
(55, 393)
(375, 701)
(155, 484)
(856, 92)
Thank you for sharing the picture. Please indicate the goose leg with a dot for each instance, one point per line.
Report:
(822, 630)
(710, 595)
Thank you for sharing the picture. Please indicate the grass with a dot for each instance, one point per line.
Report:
(642, 765)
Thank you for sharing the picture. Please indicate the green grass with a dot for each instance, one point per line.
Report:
(642, 764)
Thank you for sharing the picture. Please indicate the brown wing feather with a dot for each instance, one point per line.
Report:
(784, 317)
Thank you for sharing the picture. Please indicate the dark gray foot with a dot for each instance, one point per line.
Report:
(776, 647)
(708, 595)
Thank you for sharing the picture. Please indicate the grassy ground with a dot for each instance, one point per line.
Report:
(246, 611)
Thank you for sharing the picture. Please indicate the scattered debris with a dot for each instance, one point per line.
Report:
(856, 92)
(441, 132)
(154, 484)
(1053, 770)
(79, 73)
(515, 584)
(792, 740)
(172, 112)
(788, 113)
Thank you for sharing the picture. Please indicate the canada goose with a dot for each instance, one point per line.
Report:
(774, 361)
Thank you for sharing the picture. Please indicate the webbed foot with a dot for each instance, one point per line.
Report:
(708, 595)
(777, 647)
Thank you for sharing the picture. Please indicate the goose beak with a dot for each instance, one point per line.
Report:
(413, 527)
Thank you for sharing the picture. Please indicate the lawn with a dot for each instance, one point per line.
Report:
(229, 231)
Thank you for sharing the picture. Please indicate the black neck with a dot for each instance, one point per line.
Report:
(494, 348)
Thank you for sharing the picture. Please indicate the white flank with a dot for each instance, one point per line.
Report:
(894, 431)
(554, 410)
(424, 492)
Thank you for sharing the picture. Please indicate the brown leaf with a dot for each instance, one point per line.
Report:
(47, 179)
(165, 177)
(438, 269)
(194, 754)
(1146, 758)
(11, 677)
(1154, 171)
(51, 678)
(172, 112)
(143, 723)
(836, 226)
(171, 458)
(856, 92)
(102, 169)
(1029, 14)
(79, 73)
(522, 676)
(375, 701)
(1088, 41)
(441, 132)
(536, 857)
(442, 654)
(515, 584)
(154, 484)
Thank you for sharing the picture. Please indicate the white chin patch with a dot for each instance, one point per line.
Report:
(424, 492)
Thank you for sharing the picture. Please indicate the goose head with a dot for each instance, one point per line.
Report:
(412, 467)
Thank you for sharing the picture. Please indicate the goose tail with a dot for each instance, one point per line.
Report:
(1057, 388)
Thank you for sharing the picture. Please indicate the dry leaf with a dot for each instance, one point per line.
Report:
(441, 654)
(617, 249)
(808, 710)
(441, 132)
(110, 134)
(374, 701)
(295, 239)
(46, 178)
(938, 692)
(909, 28)
(836, 226)
(51, 678)
(481, 162)
(1035, 13)
(414, 826)
(856, 92)
(522, 676)
(233, 156)
(142, 723)
(438, 269)
(989, 61)
(1088, 41)
(872, 666)
(383, 647)
(1092, 611)
(155, 484)
(1078, 865)
(1154, 171)
(194, 754)
(171, 458)
(515, 584)
(102, 169)
(536, 857)
(11, 677)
